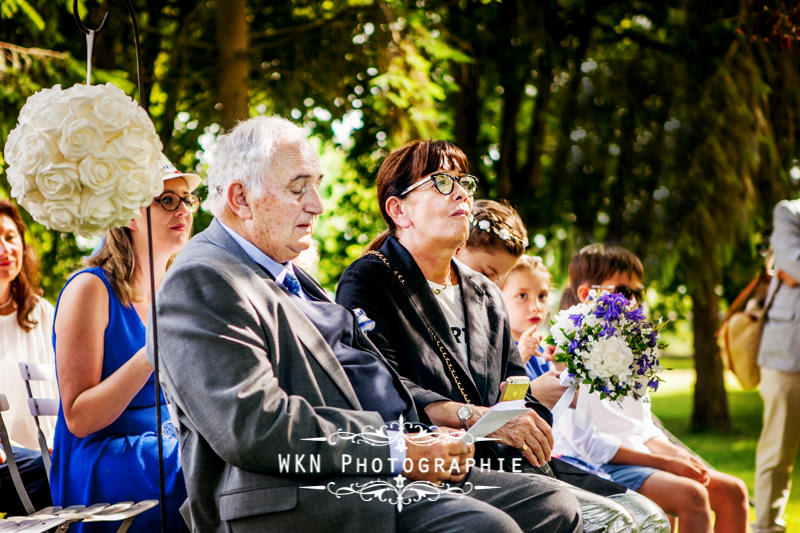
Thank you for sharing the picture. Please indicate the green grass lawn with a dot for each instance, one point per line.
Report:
(733, 453)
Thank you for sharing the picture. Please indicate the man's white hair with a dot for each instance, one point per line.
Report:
(245, 153)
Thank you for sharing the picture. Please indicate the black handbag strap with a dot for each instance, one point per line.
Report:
(442, 350)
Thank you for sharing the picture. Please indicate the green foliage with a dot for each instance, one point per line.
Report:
(666, 127)
(351, 215)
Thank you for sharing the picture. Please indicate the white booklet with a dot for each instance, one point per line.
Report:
(496, 417)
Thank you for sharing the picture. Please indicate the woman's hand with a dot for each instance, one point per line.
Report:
(530, 434)
(446, 413)
(547, 388)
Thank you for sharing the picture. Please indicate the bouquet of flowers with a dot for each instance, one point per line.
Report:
(608, 344)
(83, 159)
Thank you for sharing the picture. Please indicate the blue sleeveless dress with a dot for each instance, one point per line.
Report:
(119, 462)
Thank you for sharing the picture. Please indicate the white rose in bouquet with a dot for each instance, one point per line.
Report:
(97, 208)
(59, 214)
(58, 180)
(30, 149)
(130, 194)
(79, 137)
(20, 185)
(34, 203)
(114, 112)
(32, 107)
(83, 159)
(100, 172)
(610, 357)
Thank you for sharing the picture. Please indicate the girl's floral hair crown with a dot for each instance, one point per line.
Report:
(503, 233)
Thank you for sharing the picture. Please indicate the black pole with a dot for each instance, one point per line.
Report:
(154, 322)
(162, 492)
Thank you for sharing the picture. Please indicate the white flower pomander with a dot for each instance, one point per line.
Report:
(84, 159)
(610, 357)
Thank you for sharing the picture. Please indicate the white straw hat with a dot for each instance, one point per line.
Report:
(168, 172)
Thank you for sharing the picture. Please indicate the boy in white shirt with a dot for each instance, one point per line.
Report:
(622, 441)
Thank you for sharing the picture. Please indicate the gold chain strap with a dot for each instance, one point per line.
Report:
(442, 350)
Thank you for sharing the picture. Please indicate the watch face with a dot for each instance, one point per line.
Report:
(465, 412)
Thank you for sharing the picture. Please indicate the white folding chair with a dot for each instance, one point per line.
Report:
(40, 406)
(13, 468)
(123, 512)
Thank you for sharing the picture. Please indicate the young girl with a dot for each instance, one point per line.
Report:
(526, 290)
(497, 240)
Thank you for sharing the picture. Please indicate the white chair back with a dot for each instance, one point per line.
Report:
(40, 406)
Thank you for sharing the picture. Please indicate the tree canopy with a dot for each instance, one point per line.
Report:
(667, 127)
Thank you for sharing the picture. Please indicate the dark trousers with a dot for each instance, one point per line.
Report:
(34, 477)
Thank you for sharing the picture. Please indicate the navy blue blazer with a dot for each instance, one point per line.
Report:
(401, 336)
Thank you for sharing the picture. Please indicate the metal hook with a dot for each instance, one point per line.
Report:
(80, 24)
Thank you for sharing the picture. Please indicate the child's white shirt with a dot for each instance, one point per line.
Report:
(609, 425)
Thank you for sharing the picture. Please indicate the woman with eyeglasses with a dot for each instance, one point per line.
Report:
(443, 326)
(105, 439)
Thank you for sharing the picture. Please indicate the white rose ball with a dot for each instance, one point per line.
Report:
(80, 137)
(83, 159)
(58, 180)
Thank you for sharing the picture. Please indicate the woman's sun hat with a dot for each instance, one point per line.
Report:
(168, 172)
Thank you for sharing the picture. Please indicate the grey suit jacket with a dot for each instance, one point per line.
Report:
(780, 344)
(249, 377)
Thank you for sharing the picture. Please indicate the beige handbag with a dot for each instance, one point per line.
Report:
(739, 336)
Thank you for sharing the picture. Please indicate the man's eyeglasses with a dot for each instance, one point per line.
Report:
(623, 290)
(445, 183)
(170, 201)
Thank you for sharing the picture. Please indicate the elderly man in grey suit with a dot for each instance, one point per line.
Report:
(262, 370)
(779, 359)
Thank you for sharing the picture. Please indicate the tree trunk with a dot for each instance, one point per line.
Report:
(467, 101)
(710, 400)
(233, 71)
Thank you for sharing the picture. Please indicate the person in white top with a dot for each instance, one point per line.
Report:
(26, 325)
(622, 440)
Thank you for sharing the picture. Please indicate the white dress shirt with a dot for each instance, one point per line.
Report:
(609, 425)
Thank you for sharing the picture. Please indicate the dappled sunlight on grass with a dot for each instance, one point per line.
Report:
(733, 453)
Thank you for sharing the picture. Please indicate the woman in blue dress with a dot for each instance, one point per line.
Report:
(105, 447)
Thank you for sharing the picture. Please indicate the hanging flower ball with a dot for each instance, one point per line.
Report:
(84, 159)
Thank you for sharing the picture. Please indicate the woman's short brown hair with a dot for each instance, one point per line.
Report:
(408, 164)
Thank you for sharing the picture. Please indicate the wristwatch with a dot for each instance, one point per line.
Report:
(464, 414)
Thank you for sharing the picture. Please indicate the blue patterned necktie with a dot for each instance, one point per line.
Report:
(291, 284)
